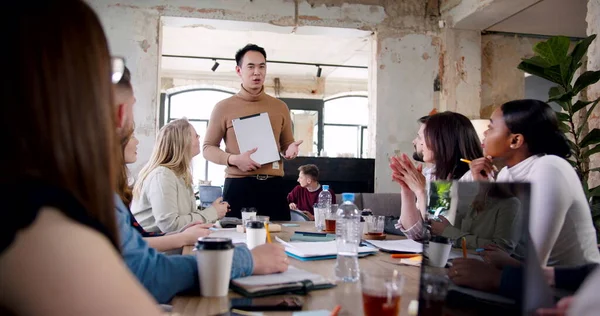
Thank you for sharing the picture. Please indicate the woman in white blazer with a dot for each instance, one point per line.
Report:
(163, 198)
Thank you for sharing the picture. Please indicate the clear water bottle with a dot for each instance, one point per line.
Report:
(325, 198)
(347, 236)
(323, 208)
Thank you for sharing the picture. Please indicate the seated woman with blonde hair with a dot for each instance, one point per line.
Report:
(158, 241)
(163, 198)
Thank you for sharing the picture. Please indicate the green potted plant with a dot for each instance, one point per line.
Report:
(553, 61)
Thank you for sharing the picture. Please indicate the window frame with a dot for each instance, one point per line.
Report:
(165, 112)
(360, 128)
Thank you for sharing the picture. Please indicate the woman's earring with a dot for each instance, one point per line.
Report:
(513, 146)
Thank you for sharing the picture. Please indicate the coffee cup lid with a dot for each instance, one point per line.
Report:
(255, 224)
(214, 243)
(440, 239)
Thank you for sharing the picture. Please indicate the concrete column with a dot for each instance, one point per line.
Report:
(134, 34)
(593, 92)
(500, 79)
(404, 69)
(461, 75)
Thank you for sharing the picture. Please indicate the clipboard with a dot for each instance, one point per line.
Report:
(255, 131)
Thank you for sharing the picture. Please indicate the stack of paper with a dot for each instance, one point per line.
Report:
(307, 251)
(397, 246)
(236, 237)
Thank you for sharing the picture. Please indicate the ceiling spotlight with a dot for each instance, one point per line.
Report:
(319, 71)
(215, 66)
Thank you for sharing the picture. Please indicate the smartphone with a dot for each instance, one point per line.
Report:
(287, 303)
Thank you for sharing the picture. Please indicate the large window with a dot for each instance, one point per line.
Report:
(345, 126)
(196, 106)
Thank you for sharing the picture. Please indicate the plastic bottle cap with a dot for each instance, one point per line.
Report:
(325, 187)
(348, 197)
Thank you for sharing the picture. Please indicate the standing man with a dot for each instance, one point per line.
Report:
(247, 183)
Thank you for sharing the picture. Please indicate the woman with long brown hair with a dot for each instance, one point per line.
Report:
(448, 137)
(59, 250)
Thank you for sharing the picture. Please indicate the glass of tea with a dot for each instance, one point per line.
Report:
(375, 225)
(381, 292)
(330, 218)
(432, 293)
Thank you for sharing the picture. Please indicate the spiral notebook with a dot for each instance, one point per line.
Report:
(294, 280)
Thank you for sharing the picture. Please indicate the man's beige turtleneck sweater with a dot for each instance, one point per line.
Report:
(239, 105)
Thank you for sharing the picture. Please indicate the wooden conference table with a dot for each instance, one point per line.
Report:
(347, 295)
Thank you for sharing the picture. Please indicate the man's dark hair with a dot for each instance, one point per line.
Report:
(311, 171)
(250, 47)
(423, 119)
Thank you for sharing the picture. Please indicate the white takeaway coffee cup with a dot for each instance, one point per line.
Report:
(214, 256)
(438, 251)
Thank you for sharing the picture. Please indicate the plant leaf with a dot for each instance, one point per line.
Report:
(579, 51)
(595, 210)
(572, 163)
(554, 50)
(595, 191)
(573, 146)
(554, 72)
(587, 116)
(564, 127)
(580, 105)
(565, 73)
(593, 137)
(586, 79)
(538, 61)
(563, 117)
(594, 170)
(537, 71)
(591, 151)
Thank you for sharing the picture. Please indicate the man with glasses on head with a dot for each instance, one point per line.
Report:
(247, 183)
(165, 276)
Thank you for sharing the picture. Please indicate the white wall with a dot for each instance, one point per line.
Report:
(404, 89)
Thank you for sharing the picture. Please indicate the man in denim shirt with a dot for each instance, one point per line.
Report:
(166, 275)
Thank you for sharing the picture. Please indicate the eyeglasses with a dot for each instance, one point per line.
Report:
(118, 69)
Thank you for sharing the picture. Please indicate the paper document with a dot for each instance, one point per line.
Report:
(403, 245)
(236, 237)
(255, 131)
(317, 249)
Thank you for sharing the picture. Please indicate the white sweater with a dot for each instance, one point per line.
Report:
(560, 221)
(166, 204)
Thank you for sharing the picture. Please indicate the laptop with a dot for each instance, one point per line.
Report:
(439, 295)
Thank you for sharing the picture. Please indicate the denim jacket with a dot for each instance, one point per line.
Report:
(166, 275)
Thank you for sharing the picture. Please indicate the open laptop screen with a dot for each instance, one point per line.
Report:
(480, 214)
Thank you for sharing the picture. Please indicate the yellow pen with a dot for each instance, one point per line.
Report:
(469, 161)
(268, 233)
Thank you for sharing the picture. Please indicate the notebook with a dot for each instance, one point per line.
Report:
(397, 246)
(462, 298)
(308, 251)
(294, 280)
